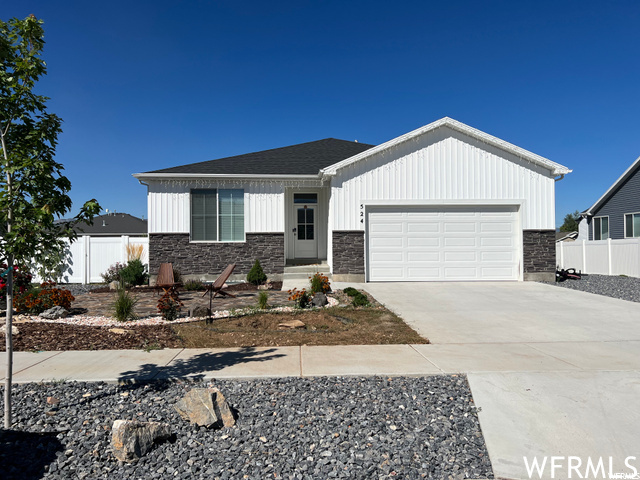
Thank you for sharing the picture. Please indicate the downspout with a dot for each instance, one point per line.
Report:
(559, 178)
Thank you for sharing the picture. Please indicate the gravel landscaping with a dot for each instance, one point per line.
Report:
(290, 428)
(624, 288)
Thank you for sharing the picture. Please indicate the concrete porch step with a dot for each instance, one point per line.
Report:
(298, 275)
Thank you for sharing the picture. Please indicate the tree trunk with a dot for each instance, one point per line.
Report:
(9, 338)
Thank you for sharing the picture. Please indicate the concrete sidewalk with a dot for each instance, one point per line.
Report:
(304, 361)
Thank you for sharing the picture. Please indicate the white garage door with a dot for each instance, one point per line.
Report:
(443, 243)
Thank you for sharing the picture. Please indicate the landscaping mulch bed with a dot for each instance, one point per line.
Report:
(35, 336)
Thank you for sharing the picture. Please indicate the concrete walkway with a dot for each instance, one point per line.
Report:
(553, 371)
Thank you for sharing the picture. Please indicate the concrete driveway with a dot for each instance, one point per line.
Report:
(554, 372)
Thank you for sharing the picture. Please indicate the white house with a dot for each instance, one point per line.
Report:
(445, 202)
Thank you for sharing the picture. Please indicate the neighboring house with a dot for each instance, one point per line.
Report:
(113, 224)
(616, 214)
(566, 236)
(443, 202)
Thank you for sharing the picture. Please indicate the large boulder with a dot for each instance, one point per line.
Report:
(131, 439)
(206, 407)
(54, 313)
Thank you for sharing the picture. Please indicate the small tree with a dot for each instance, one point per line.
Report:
(256, 275)
(570, 222)
(33, 191)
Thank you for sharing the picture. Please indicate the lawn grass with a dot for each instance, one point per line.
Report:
(328, 326)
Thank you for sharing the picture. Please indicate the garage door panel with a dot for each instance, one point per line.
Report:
(382, 242)
(498, 256)
(423, 242)
(426, 256)
(497, 227)
(497, 242)
(443, 243)
(459, 227)
(460, 241)
(461, 256)
(423, 227)
(424, 273)
(386, 227)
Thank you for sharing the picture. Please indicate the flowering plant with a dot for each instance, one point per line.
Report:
(169, 306)
(44, 298)
(300, 297)
(21, 280)
(319, 283)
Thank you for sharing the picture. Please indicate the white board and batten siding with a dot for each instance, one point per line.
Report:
(415, 243)
(169, 205)
(443, 166)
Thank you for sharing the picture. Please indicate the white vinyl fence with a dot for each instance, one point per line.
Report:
(604, 257)
(90, 256)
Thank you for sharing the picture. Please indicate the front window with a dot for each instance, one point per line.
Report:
(632, 225)
(600, 228)
(217, 215)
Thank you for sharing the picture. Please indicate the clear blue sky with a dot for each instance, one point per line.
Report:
(143, 85)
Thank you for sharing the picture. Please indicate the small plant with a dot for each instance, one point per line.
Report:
(113, 273)
(43, 298)
(263, 300)
(177, 275)
(360, 300)
(169, 306)
(319, 283)
(194, 285)
(300, 297)
(351, 291)
(135, 273)
(124, 306)
(134, 252)
(256, 275)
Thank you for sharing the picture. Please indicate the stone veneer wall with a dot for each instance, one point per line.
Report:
(539, 255)
(348, 252)
(211, 258)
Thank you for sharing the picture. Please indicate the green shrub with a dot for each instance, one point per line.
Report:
(263, 300)
(124, 305)
(135, 273)
(113, 273)
(319, 284)
(256, 275)
(194, 285)
(360, 300)
(352, 292)
(169, 306)
(177, 275)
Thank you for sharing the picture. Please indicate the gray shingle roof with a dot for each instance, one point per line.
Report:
(302, 159)
(114, 224)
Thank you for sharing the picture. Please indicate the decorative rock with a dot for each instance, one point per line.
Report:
(267, 286)
(14, 330)
(201, 312)
(291, 324)
(119, 331)
(131, 439)
(206, 407)
(319, 300)
(54, 313)
(114, 285)
(53, 401)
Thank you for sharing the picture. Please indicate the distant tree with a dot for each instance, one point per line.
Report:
(33, 191)
(570, 222)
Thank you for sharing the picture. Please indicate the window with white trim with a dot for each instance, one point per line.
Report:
(217, 215)
(631, 225)
(600, 228)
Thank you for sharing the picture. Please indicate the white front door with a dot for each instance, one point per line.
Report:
(305, 234)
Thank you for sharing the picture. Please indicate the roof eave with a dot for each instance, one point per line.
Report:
(165, 176)
(627, 173)
(554, 168)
